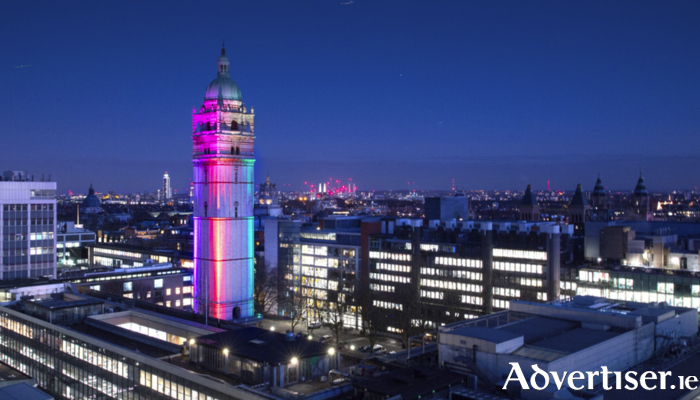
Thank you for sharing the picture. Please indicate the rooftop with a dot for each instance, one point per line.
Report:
(262, 345)
(23, 391)
(410, 383)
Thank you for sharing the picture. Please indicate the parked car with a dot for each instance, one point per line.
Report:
(314, 325)
(325, 338)
(363, 349)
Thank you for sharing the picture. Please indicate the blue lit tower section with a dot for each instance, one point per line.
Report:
(222, 145)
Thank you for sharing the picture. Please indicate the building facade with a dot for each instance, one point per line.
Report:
(222, 144)
(28, 231)
(427, 277)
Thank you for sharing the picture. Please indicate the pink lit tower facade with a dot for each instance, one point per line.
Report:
(222, 146)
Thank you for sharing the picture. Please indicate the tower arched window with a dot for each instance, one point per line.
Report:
(238, 150)
(234, 125)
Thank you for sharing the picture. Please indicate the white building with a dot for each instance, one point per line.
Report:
(70, 238)
(28, 231)
(222, 145)
(579, 335)
(167, 191)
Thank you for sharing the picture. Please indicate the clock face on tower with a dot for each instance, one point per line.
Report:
(222, 156)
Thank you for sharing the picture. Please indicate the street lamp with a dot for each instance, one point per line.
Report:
(310, 337)
(191, 342)
(331, 351)
(294, 361)
(225, 352)
(352, 347)
(272, 328)
(226, 361)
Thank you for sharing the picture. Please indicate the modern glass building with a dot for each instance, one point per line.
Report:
(72, 365)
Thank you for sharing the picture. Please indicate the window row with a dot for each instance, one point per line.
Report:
(458, 262)
(381, 288)
(394, 267)
(389, 256)
(465, 287)
(389, 278)
(518, 267)
(524, 254)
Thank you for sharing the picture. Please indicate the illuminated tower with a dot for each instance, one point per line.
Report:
(222, 145)
(167, 192)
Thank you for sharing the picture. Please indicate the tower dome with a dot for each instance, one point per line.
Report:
(91, 204)
(223, 87)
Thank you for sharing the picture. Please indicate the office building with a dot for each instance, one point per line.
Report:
(28, 231)
(457, 271)
(321, 264)
(581, 334)
(447, 208)
(71, 244)
(115, 355)
(222, 144)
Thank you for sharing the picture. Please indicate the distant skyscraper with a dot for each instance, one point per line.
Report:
(222, 144)
(167, 191)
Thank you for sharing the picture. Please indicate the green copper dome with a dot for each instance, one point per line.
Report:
(223, 87)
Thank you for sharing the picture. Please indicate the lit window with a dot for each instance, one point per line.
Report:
(177, 290)
(168, 292)
(177, 303)
(158, 283)
(168, 303)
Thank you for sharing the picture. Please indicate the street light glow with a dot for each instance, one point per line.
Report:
(272, 329)
(331, 351)
(225, 352)
(294, 361)
(191, 341)
(352, 347)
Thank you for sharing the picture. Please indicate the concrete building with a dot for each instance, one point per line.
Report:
(28, 231)
(578, 335)
(462, 270)
(222, 144)
(117, 355)
(71, 244)
(320, 264)
(447, 208)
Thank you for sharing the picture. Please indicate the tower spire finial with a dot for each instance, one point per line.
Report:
(223, 47)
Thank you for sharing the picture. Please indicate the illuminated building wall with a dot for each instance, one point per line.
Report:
(223, 160)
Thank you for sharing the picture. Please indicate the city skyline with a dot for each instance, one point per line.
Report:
(494, 98)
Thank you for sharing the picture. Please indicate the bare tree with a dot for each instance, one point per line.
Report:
(112, 287)
(266, 289)
(298, 307)
(335, 320)
(370, 319)
(141, 289)
(412, 312)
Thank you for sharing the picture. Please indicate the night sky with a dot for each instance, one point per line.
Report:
(495, 94)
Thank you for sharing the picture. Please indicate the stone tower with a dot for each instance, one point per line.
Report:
(222, 154)
(529, 207)
(598, 198)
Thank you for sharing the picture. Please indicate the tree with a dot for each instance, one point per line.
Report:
(298, 307)
(141, 289)
(412, 315)
(335, 320)
(266, 289)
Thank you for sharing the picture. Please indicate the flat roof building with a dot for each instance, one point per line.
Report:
(578, 335)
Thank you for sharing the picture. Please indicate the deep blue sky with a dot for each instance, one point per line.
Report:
(495, 94)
